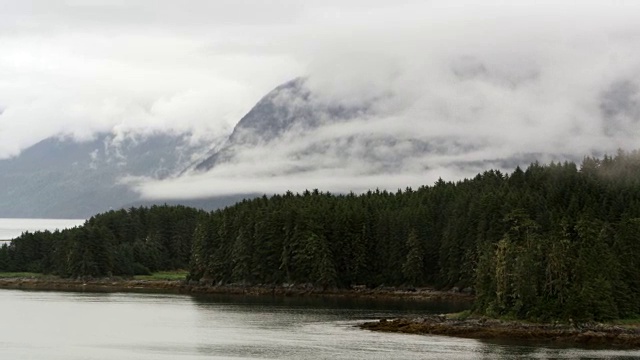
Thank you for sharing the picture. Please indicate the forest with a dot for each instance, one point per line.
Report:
(554, 241)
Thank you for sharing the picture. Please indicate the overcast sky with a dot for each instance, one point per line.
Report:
(518, 77)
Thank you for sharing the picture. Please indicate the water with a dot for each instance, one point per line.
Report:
(11, 228)
(55, 325)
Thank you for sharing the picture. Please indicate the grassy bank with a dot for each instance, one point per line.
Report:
(174, 282)
(161, 275)
(26, 275)
(164, 275)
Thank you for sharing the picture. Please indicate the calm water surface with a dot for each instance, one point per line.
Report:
(55, 325)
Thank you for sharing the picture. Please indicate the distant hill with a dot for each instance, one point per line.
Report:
(64, 178)
(208, 203)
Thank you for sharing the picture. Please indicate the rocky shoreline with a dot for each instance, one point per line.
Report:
(590, 334)
(183, 287)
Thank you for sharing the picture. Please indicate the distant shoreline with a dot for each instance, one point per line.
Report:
(589, 335)
(182, 287)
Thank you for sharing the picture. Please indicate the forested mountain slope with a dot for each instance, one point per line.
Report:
(551, 241)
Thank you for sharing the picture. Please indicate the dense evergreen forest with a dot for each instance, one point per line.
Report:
(117, 243)
(554, 241)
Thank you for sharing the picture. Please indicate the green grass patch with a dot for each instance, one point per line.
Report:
(463, 315)
(629, 322)
(164, 275)
(15, 275)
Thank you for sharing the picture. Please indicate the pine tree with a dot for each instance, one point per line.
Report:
(5, 258)
(413, 265)
(241, 256)
(323, 270)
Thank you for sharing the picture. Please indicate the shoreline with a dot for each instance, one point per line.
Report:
(586, 335)
(182, 287)
(589, 335)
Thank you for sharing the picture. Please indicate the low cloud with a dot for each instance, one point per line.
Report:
(78, 68)
(450, 88)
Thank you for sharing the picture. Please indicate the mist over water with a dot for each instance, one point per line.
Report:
(54, 325)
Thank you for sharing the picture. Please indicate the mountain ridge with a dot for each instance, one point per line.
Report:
(302, 128)
(60, 177)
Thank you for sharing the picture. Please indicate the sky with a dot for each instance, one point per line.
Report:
(488, 80)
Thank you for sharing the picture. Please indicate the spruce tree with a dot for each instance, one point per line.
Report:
(413, 265)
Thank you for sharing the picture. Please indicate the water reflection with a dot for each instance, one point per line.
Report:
(327, 306)
(53, 325)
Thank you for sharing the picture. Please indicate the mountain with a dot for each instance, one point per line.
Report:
(302, 132)
(292, 130)
(62, 178)
(290, 107)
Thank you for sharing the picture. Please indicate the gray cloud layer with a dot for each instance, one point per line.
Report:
(482, 82)
(77, 67)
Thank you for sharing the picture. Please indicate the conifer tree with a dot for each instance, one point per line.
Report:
(413, 264)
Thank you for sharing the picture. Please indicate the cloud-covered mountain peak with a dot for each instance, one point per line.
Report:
(299, 136)
(289, 108)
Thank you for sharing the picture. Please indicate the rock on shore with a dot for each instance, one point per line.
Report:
(590, 334)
